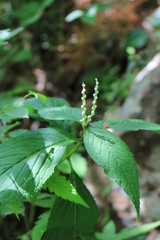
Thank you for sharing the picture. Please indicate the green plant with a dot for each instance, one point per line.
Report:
(35, 160)
(109, 232)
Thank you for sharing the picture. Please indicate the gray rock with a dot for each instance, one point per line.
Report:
(144, 101)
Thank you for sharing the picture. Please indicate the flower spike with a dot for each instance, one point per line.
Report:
(87, 119)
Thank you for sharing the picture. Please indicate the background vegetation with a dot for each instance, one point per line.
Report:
(51, 46)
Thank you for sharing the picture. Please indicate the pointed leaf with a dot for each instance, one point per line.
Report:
(69, 220)
(61, 223)
(61, 113)
(40, 226)
(63, 188)
(114, 156)
(128, 124)
(86, 217)
(27, 161)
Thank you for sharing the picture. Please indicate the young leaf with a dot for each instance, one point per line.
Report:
(114, 156)
(79, 164)
(39, 96)
(40, 226)
(61, 113)
(27, 161)
(128, 124)
(63, 188)
(69, 220)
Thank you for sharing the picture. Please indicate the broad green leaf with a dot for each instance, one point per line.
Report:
(86, 217)
(79, 164)
(136, 231)
(108, 233)
(64, 188)
(62, 222)
(15, 113)
(37, 103)
(27, 161)
(128, 124)
(40, 226)
(114, 156)
(61, 113)
(56, 102)
(17, 132)
(5, 129)
(8, 102)
(63, 124)
(69, 220)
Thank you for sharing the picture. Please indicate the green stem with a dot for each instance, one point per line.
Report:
(21, 100)
(74, 149)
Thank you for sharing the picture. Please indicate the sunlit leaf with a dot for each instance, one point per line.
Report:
(114, 156)
(27, 161)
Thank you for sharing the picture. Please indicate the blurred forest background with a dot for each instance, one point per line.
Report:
(52, 46)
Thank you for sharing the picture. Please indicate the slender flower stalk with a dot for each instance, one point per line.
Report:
(87, 119)
(83, 106)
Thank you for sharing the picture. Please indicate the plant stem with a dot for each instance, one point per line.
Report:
(74, 149)
(21, 100)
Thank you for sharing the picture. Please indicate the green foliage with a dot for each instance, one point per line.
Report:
(27, 161)
(48, 158)
(88, 16)
(79, 164)
(61, 113)
(63, 188)
(16, 113)
(137, 38)
(128, 125)
(109, 231)
(113, 155)
(40, 226)
(75, 220)
(29, 13)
